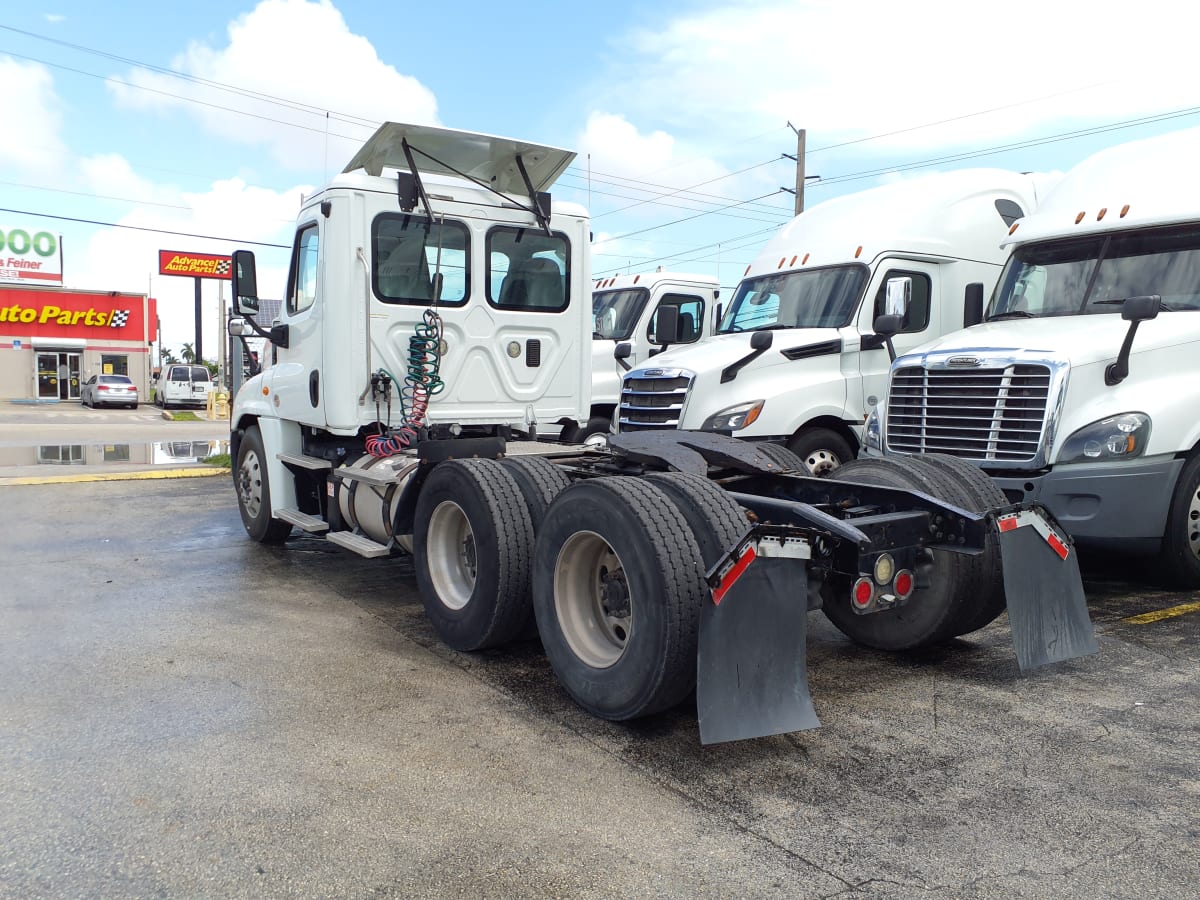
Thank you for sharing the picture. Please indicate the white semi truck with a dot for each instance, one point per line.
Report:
(1079, 388)
(796, 358)
(438, 311)
(624, 314)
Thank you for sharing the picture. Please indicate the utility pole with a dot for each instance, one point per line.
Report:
(800, 132)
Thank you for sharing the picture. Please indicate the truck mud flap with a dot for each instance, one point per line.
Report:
(1047, 610)
(751, 677)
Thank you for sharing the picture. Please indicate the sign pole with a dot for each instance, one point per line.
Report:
(199, 341)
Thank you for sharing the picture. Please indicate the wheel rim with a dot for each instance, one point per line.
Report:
(591, 599)
(1193, 524)
(250, 485)
(450, 550)
(598, 439)
(821, 462)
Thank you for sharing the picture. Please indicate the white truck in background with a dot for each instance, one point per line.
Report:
(1080, 388)
(796, 358)
(437, 311)
(624, 312)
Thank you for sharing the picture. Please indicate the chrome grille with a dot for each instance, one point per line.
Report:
(653, 398)
(985, 414)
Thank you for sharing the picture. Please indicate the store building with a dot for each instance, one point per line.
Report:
(52, 340)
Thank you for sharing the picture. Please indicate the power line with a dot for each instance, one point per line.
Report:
(616, 237)
(207, 237)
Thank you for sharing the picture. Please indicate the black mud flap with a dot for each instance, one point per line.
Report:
(752, 678)
(1047, 609)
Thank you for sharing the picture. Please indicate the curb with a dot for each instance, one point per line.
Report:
(118, 476)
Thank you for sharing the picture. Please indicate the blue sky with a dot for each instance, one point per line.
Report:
(682, 106)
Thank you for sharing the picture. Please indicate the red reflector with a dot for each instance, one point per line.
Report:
(1056, 545)
(733, 575)
(864, 591)
(904, 583)
(1006, 523)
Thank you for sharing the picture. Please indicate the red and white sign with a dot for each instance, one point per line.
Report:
(195, 265)
(29, 312)
(30, 255)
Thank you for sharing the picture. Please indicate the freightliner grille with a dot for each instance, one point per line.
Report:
(986, 414)
(654, 398)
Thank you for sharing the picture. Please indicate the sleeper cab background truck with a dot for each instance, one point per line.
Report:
(1081, 388)
(796, 359)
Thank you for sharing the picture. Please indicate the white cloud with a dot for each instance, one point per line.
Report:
(54, 18)
(30, 143)
(872, 67)
(126, 259)
(266, 55)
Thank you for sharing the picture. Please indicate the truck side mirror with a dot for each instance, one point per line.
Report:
(897, 297)
(973, 304)
(245, 283)
(886, 327)
(622, 352)
(762, 340)
(1134, 311)
(666, 326)
(237, 327)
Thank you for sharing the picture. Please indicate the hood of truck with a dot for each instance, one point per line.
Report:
(1080, 340)
(722, 350)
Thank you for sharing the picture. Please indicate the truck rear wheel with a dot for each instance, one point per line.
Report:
(1180, 554)
(782, 456)
(932, 613)
(980, 494)
(821, 450)
(717, 522)
(539, 481)
(254, 491)
(618, 583)
(471, 547)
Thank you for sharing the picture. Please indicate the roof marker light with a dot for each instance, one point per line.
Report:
(1079, 218)
(782, 260)
(1015, 226)
(793, 262)
(1100, 215)
(1124, 210)
(747, 272)
(635, 278)
(803, 261)
(858, 252)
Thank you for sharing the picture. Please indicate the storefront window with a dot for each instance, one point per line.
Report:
(111, 364)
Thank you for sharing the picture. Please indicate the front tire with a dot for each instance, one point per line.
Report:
(1180, 554)
(594, 433)
(254, 491)
(821, 450)
(617, 589)
(472, 546)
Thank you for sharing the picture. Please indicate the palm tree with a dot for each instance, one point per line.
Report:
(189, 353)
(168, 357)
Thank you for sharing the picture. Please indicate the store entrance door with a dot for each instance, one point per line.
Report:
(58, 375)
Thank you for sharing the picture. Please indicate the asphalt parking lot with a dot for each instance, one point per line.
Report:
(185, 712)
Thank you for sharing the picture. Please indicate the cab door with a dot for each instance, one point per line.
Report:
(295, 379)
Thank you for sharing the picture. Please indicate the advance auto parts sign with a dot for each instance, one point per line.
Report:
(29, 255)
(197, 265)
(74, 314)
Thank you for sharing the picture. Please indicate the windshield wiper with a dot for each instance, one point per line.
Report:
(1011, 314)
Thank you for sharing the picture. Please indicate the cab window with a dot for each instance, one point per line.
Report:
(691, 318)
(302, 282)
(917, 317)
(528, 270)
(408, 250)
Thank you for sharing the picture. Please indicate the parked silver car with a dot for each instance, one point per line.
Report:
(109, 390)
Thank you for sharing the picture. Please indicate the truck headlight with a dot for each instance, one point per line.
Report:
(1122, 436)
(873, 434)
(733, 418)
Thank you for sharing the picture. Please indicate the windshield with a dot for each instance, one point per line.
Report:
(816, 298)
(1092, 275)
(615, 313)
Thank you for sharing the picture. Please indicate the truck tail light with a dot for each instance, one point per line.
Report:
(904, 584)
(863, 593)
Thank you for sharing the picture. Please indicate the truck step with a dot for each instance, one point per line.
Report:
(311, 524)
(305, 462)
(363, 546)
